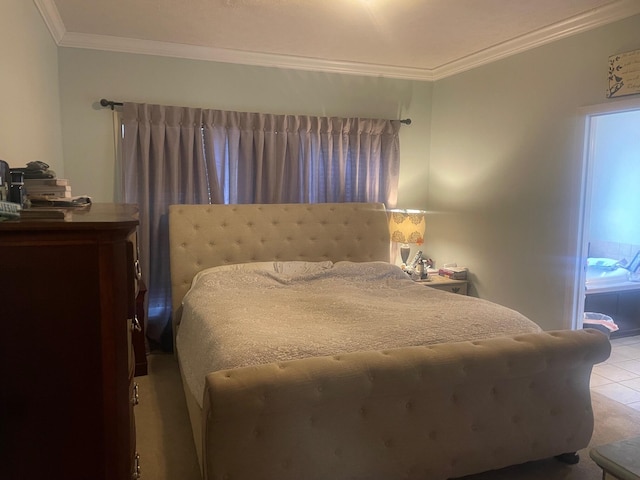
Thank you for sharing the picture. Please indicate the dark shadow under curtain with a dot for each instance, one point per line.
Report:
(180, 155)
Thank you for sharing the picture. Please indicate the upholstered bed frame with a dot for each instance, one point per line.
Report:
(432, 412)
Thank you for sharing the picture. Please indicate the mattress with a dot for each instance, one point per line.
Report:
(237, 316)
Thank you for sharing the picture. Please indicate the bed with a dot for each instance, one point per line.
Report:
(398, 399)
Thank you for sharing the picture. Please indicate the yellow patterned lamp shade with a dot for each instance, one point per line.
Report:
(405, 227)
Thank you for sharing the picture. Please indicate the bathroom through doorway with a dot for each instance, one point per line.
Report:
(609, 240)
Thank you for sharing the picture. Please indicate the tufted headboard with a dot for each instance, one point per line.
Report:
(203, 236)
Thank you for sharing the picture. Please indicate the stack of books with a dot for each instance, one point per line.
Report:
(51, 192)
(47, 188)
(454, 273)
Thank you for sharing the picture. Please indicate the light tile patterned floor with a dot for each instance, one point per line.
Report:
(619, 377)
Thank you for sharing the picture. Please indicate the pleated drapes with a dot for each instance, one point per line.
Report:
(181, 155)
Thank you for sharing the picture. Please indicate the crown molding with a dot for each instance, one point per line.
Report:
(51, 16)
(597, 17)
(194, 52)
(609, 13)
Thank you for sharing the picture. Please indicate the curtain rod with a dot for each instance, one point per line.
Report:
(112, 104)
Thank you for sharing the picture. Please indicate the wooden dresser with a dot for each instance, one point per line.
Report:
(67, 308)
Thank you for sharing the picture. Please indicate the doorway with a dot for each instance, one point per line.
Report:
(609, 230)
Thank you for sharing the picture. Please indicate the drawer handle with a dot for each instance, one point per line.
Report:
(135, 400)
(138, 269)
(136, 467)
(135, 324)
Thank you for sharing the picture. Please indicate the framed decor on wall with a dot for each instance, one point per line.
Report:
(624, 74)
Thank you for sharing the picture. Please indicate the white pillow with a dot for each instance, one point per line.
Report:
(294, 268)
(269, 266)
(289, 268)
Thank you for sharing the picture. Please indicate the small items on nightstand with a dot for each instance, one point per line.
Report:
(452, 271)
(418, 268)
(448, 279)
(420, 271)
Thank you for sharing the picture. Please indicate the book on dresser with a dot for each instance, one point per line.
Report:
(45, 213)
(63, 191)
(46, 182)
(47, 188)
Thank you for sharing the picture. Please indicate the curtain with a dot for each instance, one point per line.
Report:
(180, 155)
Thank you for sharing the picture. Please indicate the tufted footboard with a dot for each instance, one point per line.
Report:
(432, 412)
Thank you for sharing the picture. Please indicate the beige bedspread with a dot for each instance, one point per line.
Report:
(287, 310)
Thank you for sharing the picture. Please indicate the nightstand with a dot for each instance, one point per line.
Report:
(445, 283)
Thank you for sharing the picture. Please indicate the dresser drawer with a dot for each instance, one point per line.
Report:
(446, 284)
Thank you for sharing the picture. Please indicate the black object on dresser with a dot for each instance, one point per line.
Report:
(67, 307)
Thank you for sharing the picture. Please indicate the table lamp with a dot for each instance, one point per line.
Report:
(405, 227)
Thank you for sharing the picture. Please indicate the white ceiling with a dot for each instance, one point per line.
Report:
(412, 39)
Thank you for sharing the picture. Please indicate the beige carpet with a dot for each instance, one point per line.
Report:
(163, 431)
(166, 448)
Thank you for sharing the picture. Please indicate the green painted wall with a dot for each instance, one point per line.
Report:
(86, 76)
(29, 96)
(505, 168)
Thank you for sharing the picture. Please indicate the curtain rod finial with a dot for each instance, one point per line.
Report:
(109, 103)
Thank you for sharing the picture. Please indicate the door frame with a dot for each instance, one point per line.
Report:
(582, 245)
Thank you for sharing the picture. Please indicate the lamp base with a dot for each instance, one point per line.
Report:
(404, 252)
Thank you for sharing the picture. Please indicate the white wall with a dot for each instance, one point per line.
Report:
(86, 76)
(504, 173)
(29, 95)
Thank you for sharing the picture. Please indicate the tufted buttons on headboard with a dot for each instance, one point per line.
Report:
(203, 236)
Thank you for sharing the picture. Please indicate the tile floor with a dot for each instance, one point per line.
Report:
(619, 377)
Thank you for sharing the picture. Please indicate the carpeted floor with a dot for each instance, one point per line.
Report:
(166, 448)
(163, 432)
